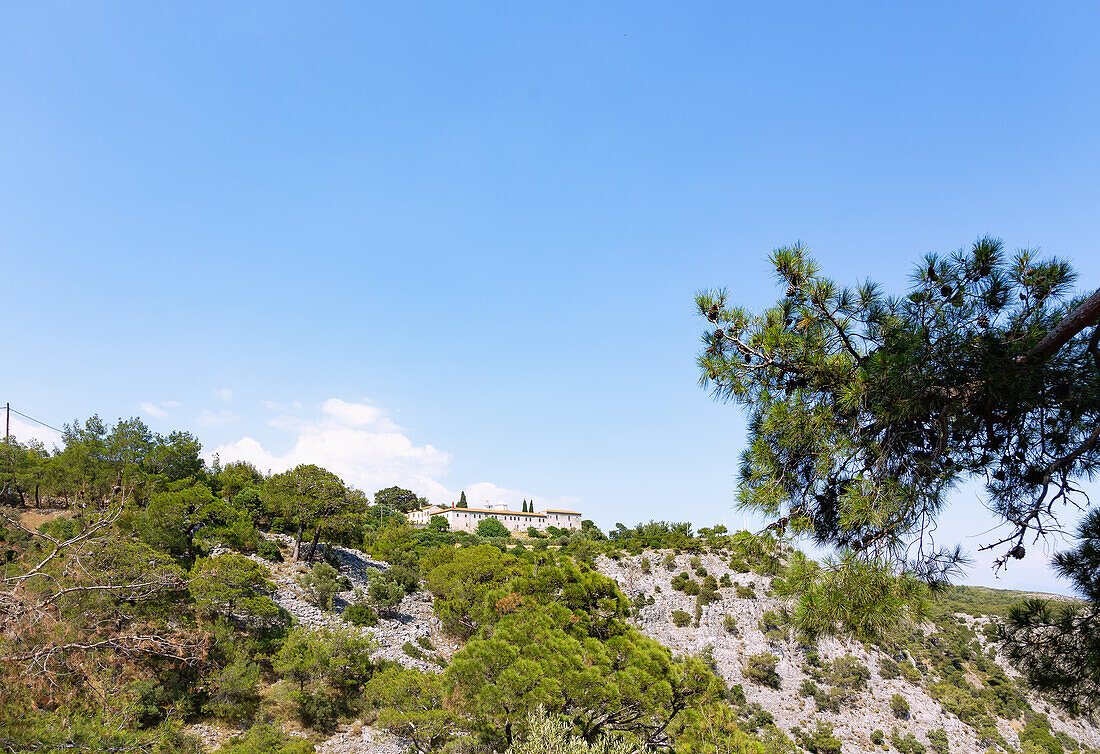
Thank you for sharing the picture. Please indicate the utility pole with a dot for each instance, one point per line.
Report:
(7, 443)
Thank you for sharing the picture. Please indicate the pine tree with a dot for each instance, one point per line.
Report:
(1057, 645)
(462, 500)
(865, 411)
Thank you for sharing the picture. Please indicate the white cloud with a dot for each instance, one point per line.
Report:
(486, 492)
(357, 415)
(365, 458)
(224, 394)
(153, 410)
(208, 418)
(24, 432)
(160, 409)
(362, 445)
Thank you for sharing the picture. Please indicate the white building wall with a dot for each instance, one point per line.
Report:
(467, 519)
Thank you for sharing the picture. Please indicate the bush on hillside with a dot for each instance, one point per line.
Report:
(491, 527)
(848, 672)
(821, 740)
(761, 669)
(265, 739)
(360, 615)
(320, 585)
(268, 550)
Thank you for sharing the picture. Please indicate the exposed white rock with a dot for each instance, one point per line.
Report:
(854, 724)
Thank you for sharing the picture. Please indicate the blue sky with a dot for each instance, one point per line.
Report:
(455, 247)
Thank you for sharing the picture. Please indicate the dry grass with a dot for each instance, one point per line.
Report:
(32, 518)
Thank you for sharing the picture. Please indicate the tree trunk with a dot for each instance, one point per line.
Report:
(298, 543)
(313, 544)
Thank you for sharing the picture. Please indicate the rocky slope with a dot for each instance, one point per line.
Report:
(414, 615)
(414, 620)
(855, 722)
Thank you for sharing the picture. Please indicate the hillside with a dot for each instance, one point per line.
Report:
(842, 687)
(975, 707)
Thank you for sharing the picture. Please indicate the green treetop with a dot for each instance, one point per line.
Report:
(305, 496)
(866, 410)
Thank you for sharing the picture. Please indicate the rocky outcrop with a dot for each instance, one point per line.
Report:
(414, 619)
(855, 722)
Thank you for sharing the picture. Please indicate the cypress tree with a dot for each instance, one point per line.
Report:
(462, 500)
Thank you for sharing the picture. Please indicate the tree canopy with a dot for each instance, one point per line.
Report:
(866, 411)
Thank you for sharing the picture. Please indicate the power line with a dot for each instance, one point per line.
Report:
(36, 421)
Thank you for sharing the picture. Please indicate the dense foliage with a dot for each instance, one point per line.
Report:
(146, 604)
(866, 411)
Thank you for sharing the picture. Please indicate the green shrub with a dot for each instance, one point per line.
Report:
(385, 592)
(269, 550)
(233, 691)
(645, 565)
(412, 650)
(426, 643)
(695, 564)
(772, 624)
(899, 707)
(1037, 731)
(360, 615)
(808, 688)
(670, 562)
(550, 735)
(739, 565)
(680, 618)
(265, 739)
(848, 672)
(320, 585)
(832, 700)
(60, 528)
(822, 740)
(730, 624)
(761, 669)
(878, 737)
(725, 582)
(746, 592)
(909, 672)
(907, 744)
(492, 527)
(937, 739)
(406, 576)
